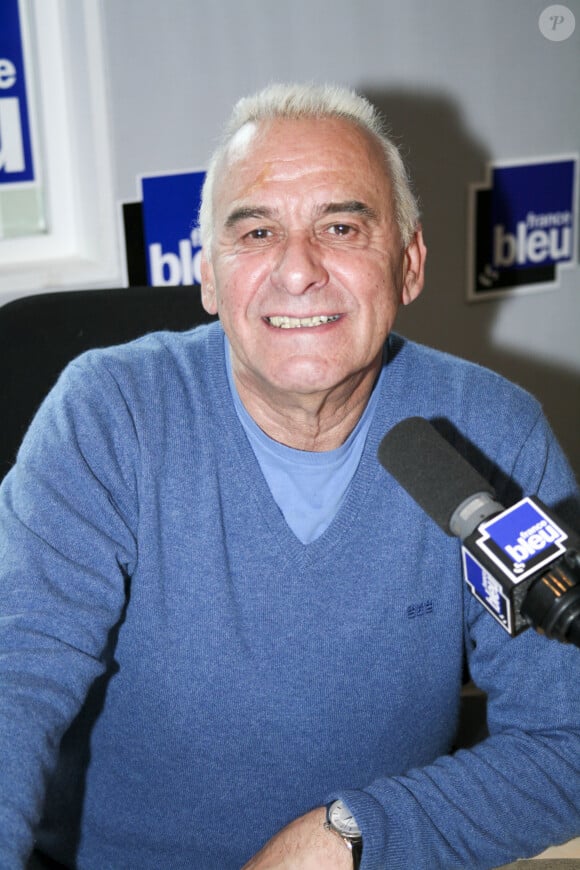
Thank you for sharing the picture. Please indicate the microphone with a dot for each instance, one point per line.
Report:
(519, 562)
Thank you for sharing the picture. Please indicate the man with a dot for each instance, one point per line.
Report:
(220, 615)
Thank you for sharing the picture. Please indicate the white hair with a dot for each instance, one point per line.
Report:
(299, 101)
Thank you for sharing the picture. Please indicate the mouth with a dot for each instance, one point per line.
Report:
(284, 322)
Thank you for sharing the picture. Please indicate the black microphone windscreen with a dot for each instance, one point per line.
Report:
(434, 474)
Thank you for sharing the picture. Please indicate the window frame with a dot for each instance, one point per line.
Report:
(65, 54)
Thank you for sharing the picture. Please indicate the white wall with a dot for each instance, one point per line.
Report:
(463, 82)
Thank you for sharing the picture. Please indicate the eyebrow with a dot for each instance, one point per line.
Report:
(245, 213)
(350, 206)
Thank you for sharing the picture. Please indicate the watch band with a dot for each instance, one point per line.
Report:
(356, 849)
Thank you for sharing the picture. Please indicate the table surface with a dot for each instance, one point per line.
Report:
(544, 864)
(564, 857)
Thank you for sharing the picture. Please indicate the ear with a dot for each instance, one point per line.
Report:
(208, 294)
(414, 268)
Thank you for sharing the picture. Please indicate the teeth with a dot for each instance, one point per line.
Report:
(283, 322)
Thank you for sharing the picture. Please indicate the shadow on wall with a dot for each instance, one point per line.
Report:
(444, 158)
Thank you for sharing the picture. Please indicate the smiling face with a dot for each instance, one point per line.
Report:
(306, 267)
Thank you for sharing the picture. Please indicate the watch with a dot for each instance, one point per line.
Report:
(341, 821)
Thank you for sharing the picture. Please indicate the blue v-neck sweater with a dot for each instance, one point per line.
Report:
(213, 677)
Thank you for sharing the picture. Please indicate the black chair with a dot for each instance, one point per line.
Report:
(40, 334)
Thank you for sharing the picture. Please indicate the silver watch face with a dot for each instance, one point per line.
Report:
(341, 818)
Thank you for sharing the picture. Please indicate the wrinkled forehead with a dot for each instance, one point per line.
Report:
(288, 147)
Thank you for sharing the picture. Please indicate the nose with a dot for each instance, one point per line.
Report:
(300, 266)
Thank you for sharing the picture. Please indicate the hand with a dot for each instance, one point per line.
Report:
(304, 844)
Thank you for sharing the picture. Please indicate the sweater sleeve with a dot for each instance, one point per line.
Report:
(518, 791)
(66, 551)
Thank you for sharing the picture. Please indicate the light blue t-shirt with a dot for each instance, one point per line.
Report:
(308, 487)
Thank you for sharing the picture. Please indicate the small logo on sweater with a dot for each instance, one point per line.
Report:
(423, 608)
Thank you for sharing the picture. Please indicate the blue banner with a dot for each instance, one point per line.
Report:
(532, 214)
(16, 164)
(171, 234)
(524, 225)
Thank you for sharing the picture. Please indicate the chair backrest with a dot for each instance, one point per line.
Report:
(40, 334)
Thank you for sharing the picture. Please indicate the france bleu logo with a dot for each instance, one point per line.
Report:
(16, 158)
(521, 540)
(524, 226)
(487, 590)
(162, 238)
